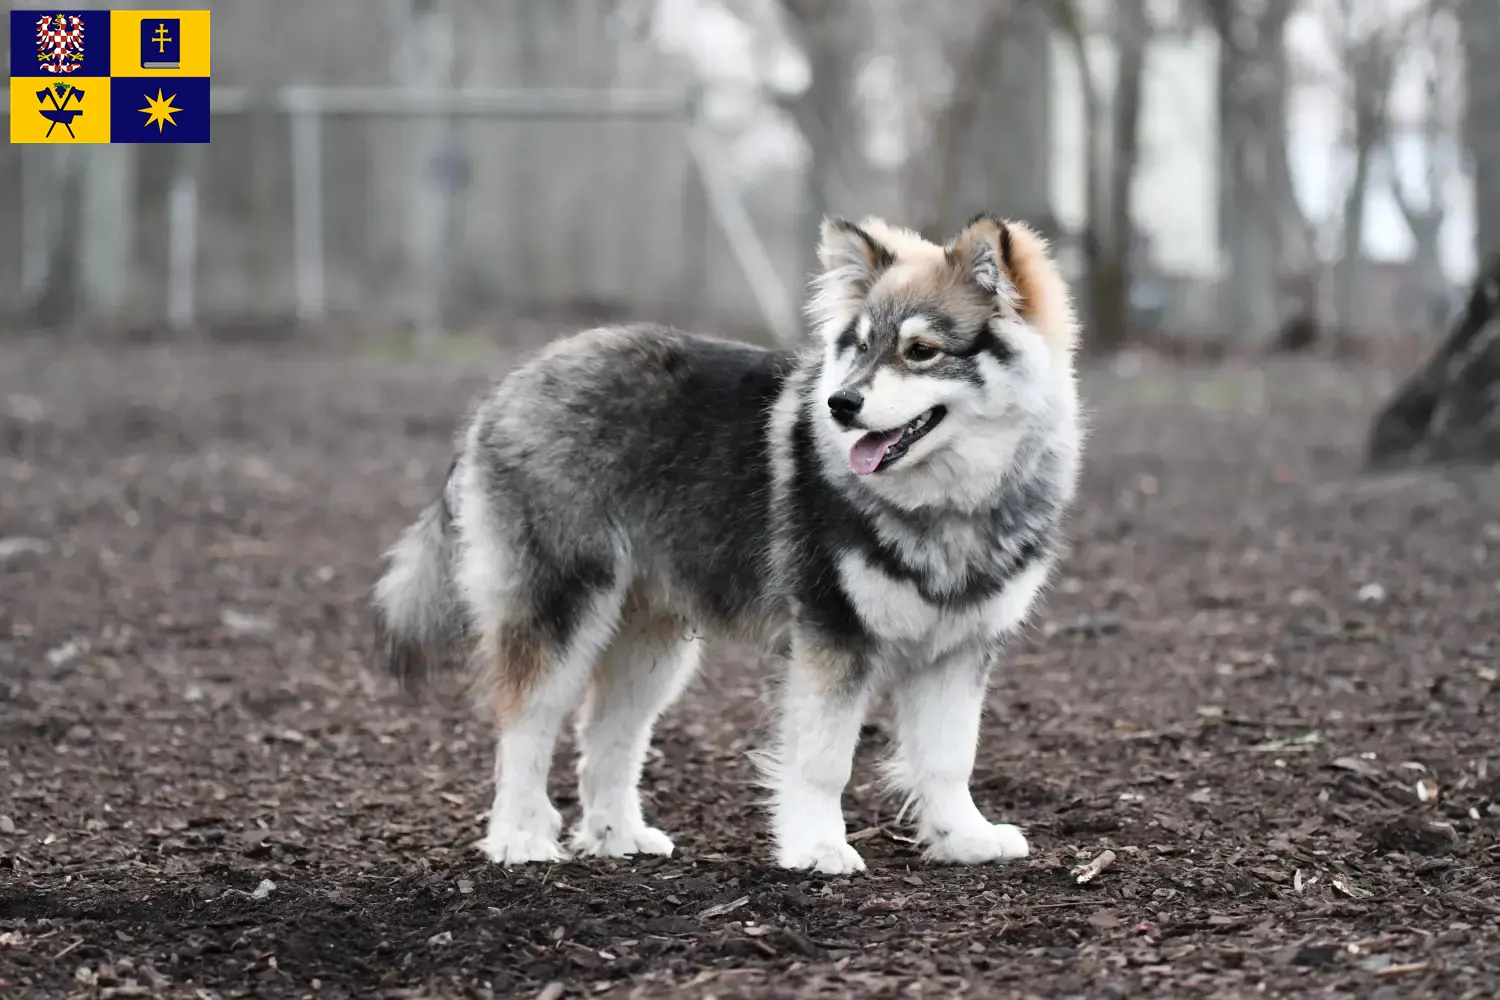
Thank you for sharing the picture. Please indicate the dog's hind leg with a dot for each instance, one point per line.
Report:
(535, 676)
(938, 710)
(642, 672)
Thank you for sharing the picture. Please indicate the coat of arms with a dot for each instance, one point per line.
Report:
(59, 42)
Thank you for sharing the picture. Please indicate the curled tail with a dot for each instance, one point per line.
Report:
(419, 618)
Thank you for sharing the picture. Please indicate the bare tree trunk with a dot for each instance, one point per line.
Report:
(1257, 200)
(1096, 211)
(930, 177)
(268, 140)
(267, 146)
(1350, 267)
(1371, 63)
(57, 282)
(1449, 409)
(1295, 234)
(1426, 220)
(833, 36)
(1110, 275)
(1426, 224)
(106, 253)
(1480, 20)
(1011, 149)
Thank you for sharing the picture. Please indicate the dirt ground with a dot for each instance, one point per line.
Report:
(1265, 681)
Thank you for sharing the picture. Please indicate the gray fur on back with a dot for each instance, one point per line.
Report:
(637, 449)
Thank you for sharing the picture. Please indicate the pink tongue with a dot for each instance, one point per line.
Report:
(870, 449)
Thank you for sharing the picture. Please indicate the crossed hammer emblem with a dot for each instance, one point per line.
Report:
(60, 114)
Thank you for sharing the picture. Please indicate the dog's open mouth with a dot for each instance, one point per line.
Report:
(881, 449)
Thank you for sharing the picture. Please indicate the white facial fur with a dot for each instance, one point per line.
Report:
(962, 461)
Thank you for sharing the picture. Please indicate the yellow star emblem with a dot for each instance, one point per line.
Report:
(160, 110)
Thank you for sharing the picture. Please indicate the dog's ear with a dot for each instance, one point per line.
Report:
(851, 253)
(853, 260)
(1013, 263)
(982, 251)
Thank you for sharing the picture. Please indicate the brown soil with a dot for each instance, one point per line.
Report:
(1252, 657)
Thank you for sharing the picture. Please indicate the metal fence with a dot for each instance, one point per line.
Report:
(314, 201)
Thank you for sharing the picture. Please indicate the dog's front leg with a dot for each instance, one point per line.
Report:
(938, 708)
(823, 706)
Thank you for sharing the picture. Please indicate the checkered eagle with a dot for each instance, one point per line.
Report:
(59, 42)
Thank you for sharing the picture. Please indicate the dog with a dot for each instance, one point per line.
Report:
(886, 502)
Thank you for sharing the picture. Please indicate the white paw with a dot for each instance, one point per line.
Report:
(620, 843)
(514, 846)
(978, 844)
(827, 857)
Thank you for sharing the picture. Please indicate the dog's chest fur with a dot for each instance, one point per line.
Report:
(919, 582)
(942, 606)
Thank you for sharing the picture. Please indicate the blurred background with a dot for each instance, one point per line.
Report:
(1228, 172)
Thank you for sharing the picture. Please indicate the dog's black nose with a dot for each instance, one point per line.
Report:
(845, 404)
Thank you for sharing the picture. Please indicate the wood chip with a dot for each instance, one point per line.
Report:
(1090, 871)
(1401, 970)
(723, 908)
(1357, 765)
(1343, 885)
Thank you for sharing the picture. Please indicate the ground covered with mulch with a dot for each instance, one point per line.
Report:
(1265, 681)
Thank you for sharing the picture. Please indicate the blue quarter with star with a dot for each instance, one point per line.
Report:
(159, 109)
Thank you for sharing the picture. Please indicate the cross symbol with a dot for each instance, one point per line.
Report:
(161, 38)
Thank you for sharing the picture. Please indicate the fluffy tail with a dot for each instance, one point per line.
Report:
(418, 611)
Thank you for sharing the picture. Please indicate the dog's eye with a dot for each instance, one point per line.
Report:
(862, 347)
(921, 352)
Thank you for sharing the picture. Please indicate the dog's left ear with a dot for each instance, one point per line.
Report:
(1013, 264)
(982, 252)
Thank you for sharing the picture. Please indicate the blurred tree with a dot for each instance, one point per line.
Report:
(1113, 142)
(1480, 21)
(834, 37)
(978, 136)
(1265, 232)
(55, 179)
(930, 174)
(84, 237)
(423, 57)
(1449, 411)
(1423, 206)
(1371, 47)
(1369, 53)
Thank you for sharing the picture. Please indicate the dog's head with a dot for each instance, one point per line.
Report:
(939, 360)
